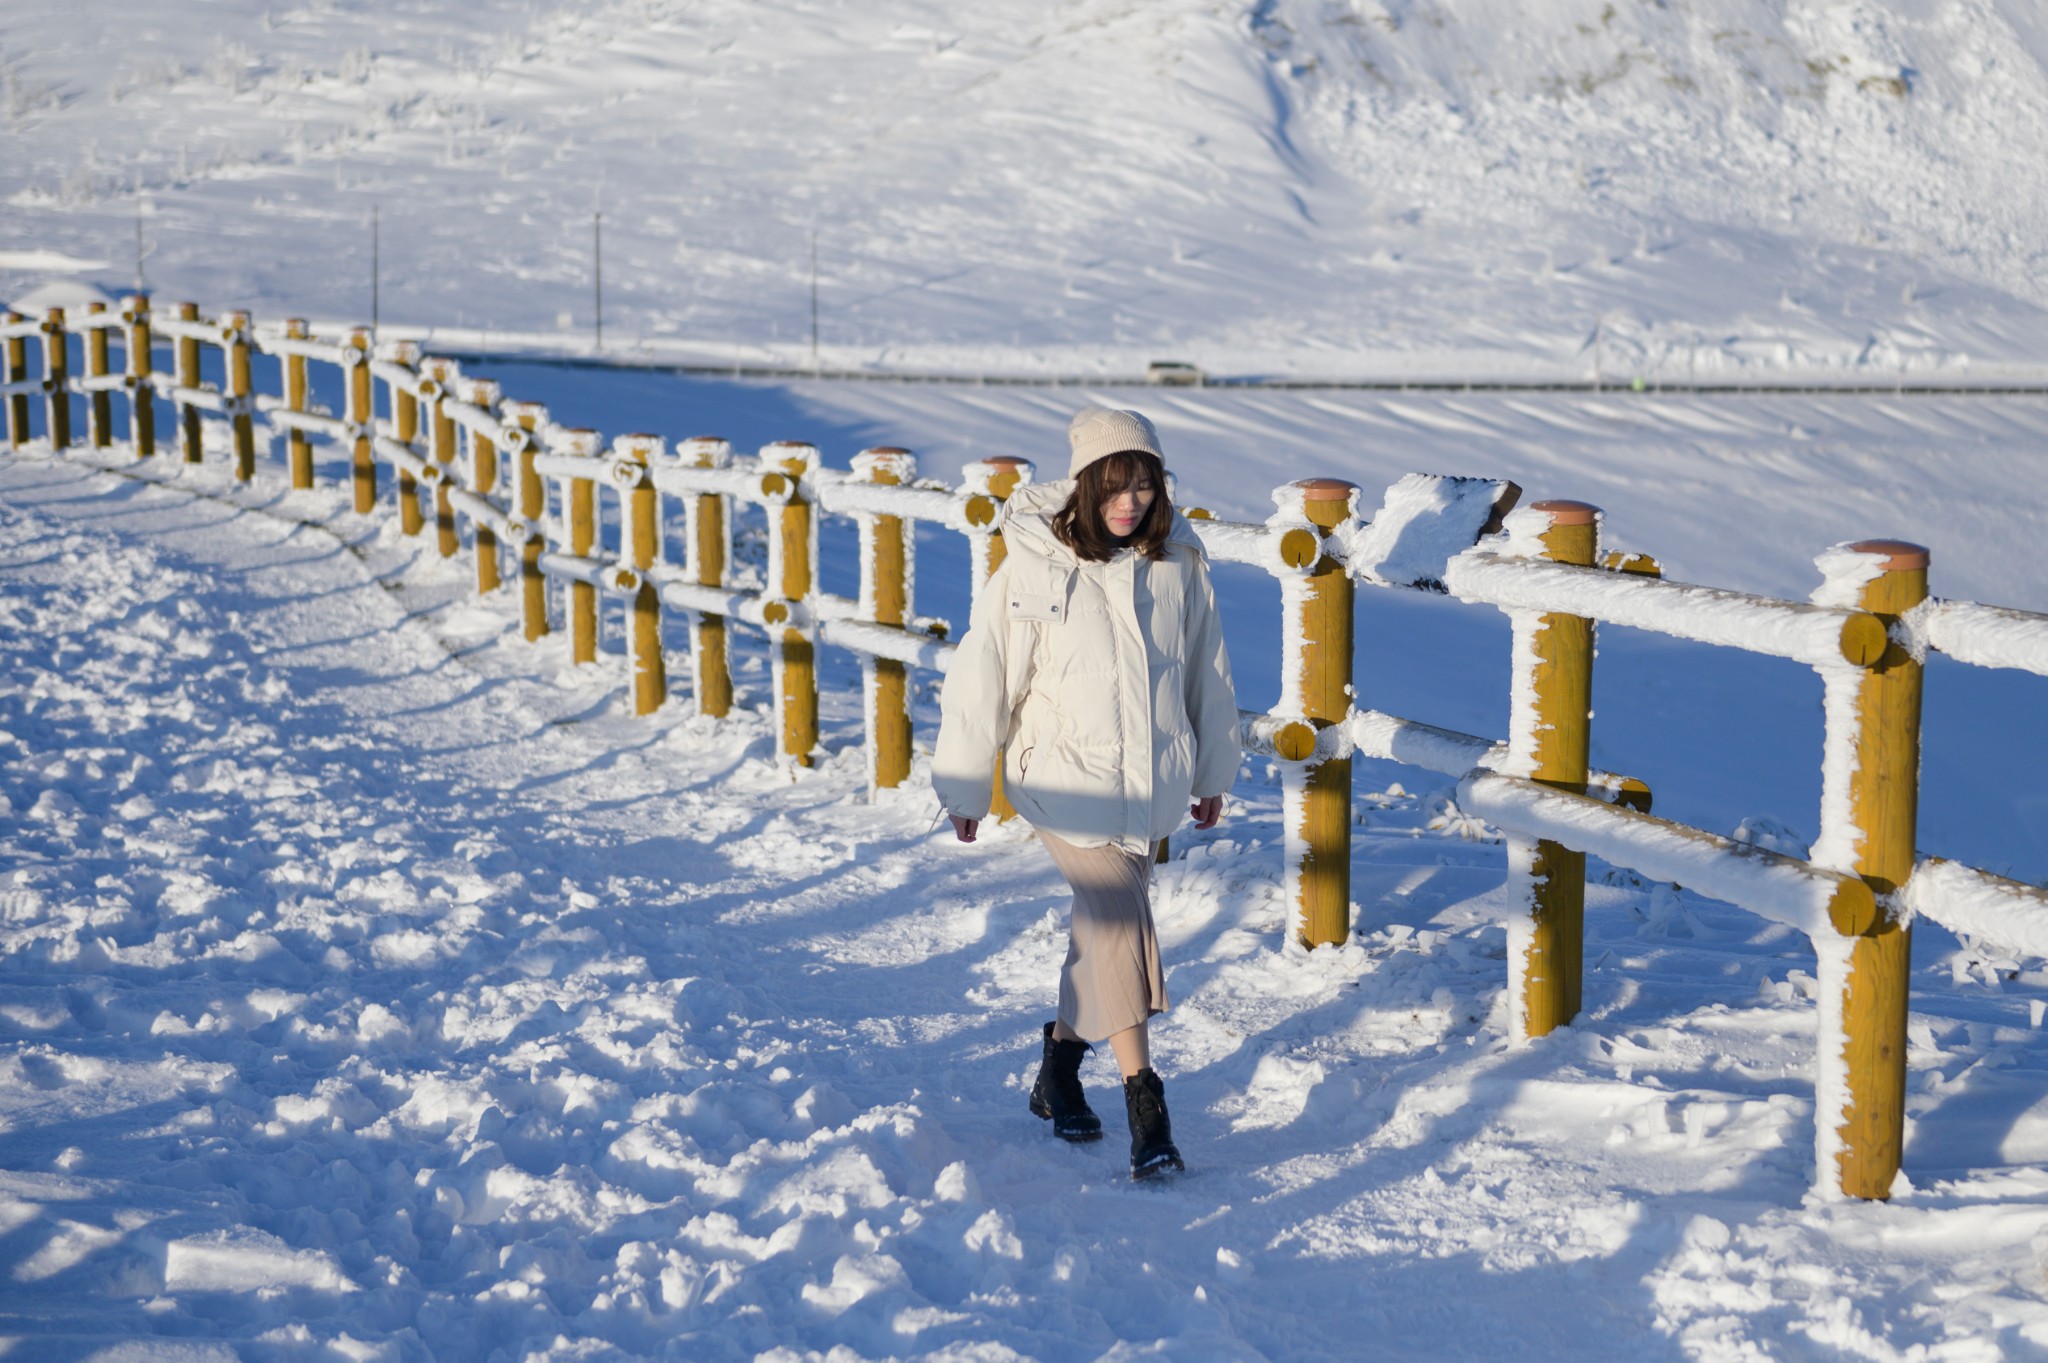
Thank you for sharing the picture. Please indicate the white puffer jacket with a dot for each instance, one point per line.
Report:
(1105, 686)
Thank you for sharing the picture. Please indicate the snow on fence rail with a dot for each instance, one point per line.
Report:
(488, 462)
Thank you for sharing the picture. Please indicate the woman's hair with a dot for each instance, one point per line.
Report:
(1079, 524)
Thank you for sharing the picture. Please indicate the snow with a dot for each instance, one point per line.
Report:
(2003, 915)
(1845, 571)
(1831, 1095)
(1781, 889)
(373, 985)
(1811, 634)
(1985, 636)
(1839, 845)
(624, 1039)
(1423, 522)
(58, 293)
(1662, 193)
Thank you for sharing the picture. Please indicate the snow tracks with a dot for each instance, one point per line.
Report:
(373, 986)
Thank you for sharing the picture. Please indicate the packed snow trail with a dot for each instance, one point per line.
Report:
(374, 986)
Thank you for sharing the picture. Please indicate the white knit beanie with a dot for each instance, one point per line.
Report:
(1099, 431)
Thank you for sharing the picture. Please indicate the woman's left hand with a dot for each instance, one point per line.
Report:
(1207, 810)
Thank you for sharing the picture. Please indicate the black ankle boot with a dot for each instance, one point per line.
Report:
(1057, 1094)
(1152, 1149)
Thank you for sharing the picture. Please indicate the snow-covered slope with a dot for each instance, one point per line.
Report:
(376, 988)
(1312, 186)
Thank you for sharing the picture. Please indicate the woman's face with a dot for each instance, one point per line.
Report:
(1124, 511)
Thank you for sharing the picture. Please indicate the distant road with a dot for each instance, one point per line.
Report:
(1622, 387)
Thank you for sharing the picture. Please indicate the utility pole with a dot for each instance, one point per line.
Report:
(597, 271)
(139, 287)
(376, 261)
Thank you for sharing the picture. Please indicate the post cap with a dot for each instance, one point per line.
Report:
(706, 451)
(640, 446)
(801, 453)
(1900, 556)
(1005, 461)
(1567, 513)
(879, 463)
(1325, 489)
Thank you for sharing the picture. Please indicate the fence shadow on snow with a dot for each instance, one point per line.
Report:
(524, 499)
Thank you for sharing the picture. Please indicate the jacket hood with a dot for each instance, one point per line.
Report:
(1027, 523)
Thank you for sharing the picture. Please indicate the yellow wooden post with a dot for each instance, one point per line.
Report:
(57, 379)
(141, 396)
(709, 546)
(405, 428)
(483, 476)
(1883, 814)
(17, 372)
(532, 493)
(298, 449)
(582, 512)
(998, 478)
(362, 416)
(99, 423)
(240, 393)
(885, 597)
(1322, 815)
(1550, 730)
(641, 534)
(796, 668)
(192, 434)
(445, 373)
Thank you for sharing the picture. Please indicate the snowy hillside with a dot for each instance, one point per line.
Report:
(1309, 186)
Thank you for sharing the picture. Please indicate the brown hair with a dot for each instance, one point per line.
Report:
(1079, 525)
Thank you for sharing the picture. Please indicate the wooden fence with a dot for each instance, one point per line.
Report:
(527, 492)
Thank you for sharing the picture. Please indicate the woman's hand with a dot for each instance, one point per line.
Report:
(1206, 811)
(963, 829)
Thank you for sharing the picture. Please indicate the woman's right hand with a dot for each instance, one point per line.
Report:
(964, 829)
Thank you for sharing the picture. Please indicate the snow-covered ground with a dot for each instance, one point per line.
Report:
(377, 987)
(374, 986)
(1301, 186)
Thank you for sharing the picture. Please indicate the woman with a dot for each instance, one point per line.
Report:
(1095, 667)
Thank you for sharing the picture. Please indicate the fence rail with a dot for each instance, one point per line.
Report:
(523, 495)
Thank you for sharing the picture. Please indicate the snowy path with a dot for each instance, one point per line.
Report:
(372, 986)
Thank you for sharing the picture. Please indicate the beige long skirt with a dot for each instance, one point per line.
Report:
(1112, 979)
